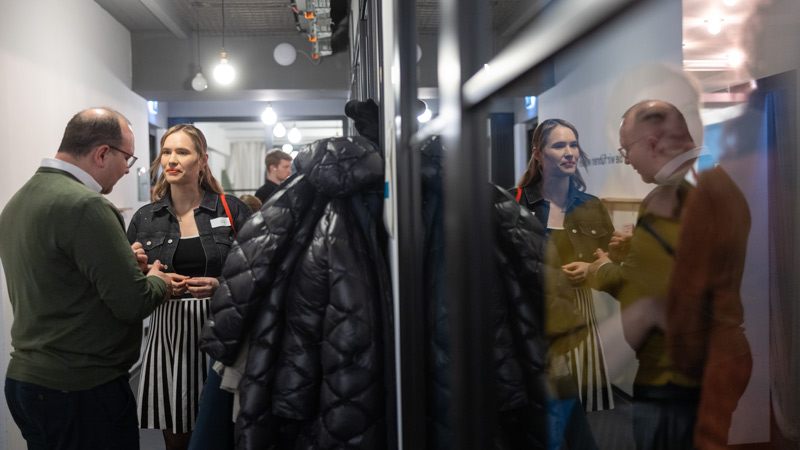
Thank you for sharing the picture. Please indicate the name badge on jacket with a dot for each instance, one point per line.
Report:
(220, 222)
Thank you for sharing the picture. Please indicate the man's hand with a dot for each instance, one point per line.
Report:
(619, 245)
(141, 257)
(156, 271)
(602, 258)
(202, 287)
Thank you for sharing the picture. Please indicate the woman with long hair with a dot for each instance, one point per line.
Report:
(577, 225)
(189, 227)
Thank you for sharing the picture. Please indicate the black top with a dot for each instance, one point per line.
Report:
(266, 190)
(189, 258)
(558, 238)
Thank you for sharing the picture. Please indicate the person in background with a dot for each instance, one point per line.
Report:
(279, 167)
(251, 201)
(577, 225)
(190, 227)
(655, 141)
(78, 293)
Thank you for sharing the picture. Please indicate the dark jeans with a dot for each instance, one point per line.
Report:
(214, 426)
(101, 418)
(664, 417)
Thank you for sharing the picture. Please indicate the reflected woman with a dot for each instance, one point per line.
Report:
(189, 227)
(577, 225)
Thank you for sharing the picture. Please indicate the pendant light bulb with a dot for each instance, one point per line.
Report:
(224, 72)
(269, 117)
(279, 131)
(294, 135)
(199, 82)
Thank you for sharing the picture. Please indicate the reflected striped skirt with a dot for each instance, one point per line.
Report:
(174, 369)
(586, 360)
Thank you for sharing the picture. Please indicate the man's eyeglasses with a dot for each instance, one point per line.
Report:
(624, 149)
(131, 160)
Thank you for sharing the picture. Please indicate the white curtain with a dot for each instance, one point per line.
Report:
(245, 167)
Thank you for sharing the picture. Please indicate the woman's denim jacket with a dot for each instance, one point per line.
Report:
(156, 227)
(586, 219)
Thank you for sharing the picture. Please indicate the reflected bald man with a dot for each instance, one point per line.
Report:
(655, 141)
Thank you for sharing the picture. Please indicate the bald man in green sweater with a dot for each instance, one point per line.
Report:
(78, 291)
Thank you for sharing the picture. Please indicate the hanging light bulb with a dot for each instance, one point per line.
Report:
(199, 82)
(269, 117)
(224, 72)
(279, 131)
(287, 148)
(294, 135)
(714, 25)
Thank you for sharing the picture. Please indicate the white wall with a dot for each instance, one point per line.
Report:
(57, 57)
(588, 92)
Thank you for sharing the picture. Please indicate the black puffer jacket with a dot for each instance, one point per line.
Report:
(517, 317)
(308, 284)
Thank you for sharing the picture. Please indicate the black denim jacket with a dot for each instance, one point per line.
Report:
(586, 219)
(156, 226)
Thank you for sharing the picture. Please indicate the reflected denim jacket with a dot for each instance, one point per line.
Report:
(156, 227)
(586, 220)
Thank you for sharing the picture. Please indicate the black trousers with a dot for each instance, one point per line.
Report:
(100, 418)
(664, 417)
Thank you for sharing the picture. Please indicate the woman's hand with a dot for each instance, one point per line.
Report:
(178, 284)
(576, 271)
(202, 287)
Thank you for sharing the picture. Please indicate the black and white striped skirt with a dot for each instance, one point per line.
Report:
(587, 362)
(174, 369)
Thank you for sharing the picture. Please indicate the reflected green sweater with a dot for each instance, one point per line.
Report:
(646, 272)
(77, 293)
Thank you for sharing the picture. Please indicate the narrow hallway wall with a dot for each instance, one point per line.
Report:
(57, 57)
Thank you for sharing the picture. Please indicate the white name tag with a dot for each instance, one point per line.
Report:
(220, 222)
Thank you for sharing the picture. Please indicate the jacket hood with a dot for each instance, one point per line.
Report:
(339, 167)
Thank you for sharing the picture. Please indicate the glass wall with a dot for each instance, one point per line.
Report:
(583, 281)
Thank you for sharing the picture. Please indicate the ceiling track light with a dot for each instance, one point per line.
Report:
(224, 72)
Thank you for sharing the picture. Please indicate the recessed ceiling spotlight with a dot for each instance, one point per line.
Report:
(714, 25)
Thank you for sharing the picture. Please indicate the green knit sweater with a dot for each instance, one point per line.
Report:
(77, 293)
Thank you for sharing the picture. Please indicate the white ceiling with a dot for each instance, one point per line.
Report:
(702, 50)
(718, 61)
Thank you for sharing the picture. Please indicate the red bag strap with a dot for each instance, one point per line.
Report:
(227, 212)
(519, 194)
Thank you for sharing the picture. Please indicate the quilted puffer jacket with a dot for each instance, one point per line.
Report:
(307, 284)
(517, 317)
